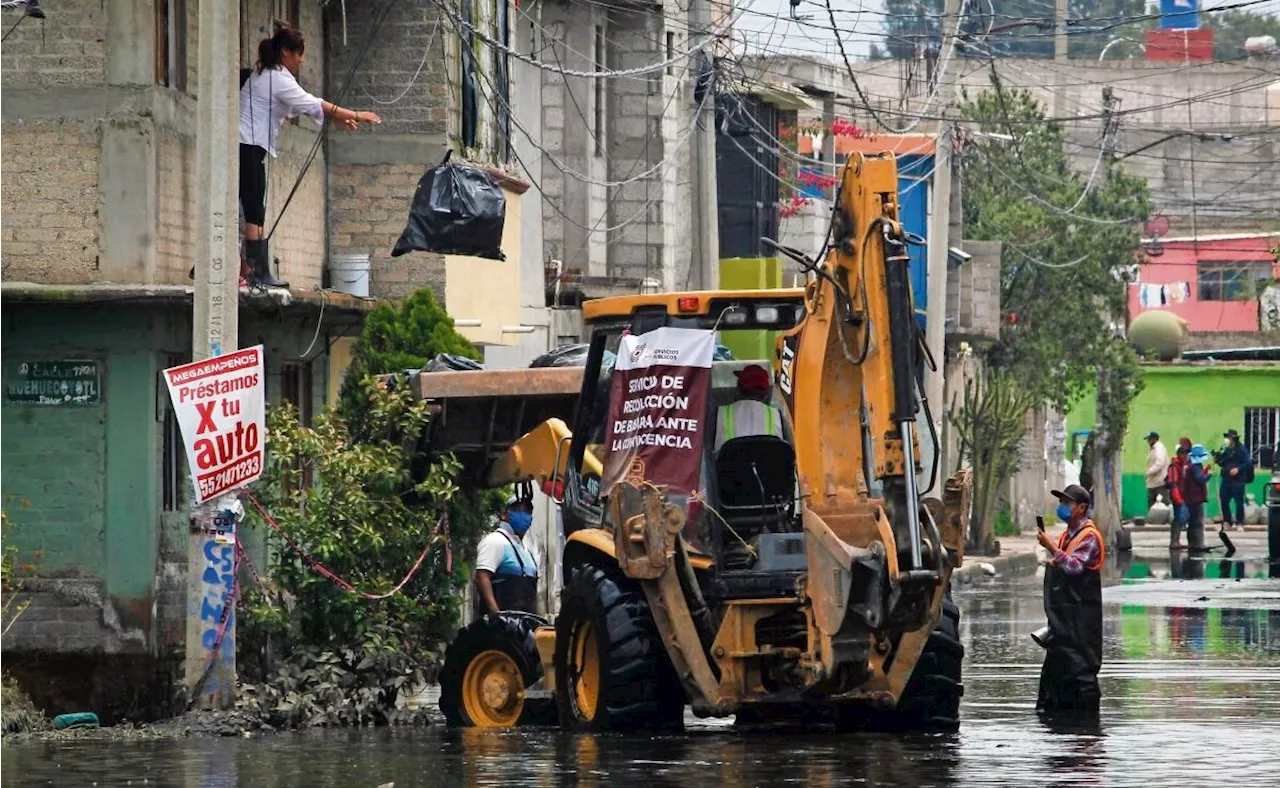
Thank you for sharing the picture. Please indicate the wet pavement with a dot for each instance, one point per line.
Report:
(1191, 697)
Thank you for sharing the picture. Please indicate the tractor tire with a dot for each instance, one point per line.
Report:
(931, 699)
(486, 670)
(612, 671)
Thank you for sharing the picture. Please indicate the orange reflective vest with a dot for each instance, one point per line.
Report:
(1070, 546)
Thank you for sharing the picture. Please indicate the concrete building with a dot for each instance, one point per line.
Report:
(616, 161)
(1199, 399)
(98, 184)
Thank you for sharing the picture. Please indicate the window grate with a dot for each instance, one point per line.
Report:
(1262, 433)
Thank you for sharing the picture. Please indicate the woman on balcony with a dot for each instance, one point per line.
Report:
(270, 96)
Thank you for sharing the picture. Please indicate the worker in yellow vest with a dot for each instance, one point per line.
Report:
(1073, 606)
(751, 413)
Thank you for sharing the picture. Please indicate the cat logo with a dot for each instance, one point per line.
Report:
(786, 373)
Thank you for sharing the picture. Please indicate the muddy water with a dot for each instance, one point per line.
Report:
(1191, 698)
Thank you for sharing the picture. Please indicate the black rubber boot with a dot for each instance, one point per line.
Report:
(259, 257)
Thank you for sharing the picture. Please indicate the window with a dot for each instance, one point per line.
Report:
(470, 87)
(295, 388)
(1261, 433)
(286, 12)
(1231, 280)
(171, 44)
(599, 91)
(173, 459)
(671, 52)
(502, 73)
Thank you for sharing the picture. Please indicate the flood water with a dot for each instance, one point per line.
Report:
(1191, 697)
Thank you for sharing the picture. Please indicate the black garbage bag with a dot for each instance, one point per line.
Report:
(456, 210)
(448, 362)
(563, 356)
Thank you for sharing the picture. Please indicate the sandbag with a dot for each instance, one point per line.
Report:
(563, 356)
(448, 362)
(458, 210)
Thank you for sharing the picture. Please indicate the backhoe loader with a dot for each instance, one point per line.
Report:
(825, 596)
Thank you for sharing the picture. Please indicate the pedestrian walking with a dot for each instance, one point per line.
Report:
(1177, 470)
(1157, 469)
(1237, 473)
(1195, 492)
(1073, 607)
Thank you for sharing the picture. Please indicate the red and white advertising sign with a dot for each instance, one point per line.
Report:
(658, 408)
(220, 408)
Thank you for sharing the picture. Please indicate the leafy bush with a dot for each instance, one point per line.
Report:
(1004, 524)
(399, 338)
(365, 509)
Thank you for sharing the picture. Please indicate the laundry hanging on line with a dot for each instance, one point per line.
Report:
(1155, 296)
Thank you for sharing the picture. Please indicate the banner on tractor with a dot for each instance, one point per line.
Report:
(658, 409)
(220, 409)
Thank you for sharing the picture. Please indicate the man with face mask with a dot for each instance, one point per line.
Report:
(1073, 606)
(506, 572)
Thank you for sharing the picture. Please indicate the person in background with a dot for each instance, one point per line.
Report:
(751, 413)
(506, 572)
(1157, 469)
(1073, 607)
(1195, 492)
(1177, 469)
(270, 96)
(1237, 472)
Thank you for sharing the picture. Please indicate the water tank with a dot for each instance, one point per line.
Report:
(1260, 45)
(1158, 334)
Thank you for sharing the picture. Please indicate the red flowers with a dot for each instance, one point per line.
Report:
(789, 208)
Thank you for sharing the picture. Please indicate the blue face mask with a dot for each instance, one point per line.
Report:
(1064, 512)
(519, 521)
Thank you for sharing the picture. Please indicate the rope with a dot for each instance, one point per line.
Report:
(324, 571)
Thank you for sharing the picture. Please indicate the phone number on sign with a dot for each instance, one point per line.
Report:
(230, 476)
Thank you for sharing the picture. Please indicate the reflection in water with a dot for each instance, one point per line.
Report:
(1182, 687)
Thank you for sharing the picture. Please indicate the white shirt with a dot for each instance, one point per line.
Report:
(497, 551)
(269, 98)
(1157, 465)
(746, 417)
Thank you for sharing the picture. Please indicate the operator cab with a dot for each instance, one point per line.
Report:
(746, 517)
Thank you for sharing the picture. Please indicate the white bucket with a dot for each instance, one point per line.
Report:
(349, 273)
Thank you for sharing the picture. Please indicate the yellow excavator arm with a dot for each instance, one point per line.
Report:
(541, 455)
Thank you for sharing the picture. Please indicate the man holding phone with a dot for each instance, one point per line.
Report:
(1073, 606)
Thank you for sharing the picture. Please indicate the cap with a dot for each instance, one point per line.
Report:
(1183, 449)
(1231, 434)
(1198, 454)
(512, 501)
(754, 377)
(1185, 441)
(1074, 493)
(1153, 434)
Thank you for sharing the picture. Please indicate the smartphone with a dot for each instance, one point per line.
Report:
(1039, 522)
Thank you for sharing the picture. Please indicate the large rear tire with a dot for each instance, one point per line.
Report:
(486, 670)
(612, 672)
(931, 700)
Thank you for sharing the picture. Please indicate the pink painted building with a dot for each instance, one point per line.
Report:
(1211, 281)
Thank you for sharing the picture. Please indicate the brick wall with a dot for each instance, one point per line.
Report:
(49, 187)
(175, 231)
(386, 74)
(368, 207)
(373, 172)
(66, 49)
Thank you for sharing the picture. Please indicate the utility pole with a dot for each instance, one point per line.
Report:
(706, 204)
(1060, 56)
(210, 675)
(940, 240)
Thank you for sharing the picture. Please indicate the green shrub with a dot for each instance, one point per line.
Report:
(1004, 524)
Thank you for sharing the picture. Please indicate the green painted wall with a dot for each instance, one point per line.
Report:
(750, 273)
(1200, 402)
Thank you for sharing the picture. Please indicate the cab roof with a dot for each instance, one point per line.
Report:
(692, 303)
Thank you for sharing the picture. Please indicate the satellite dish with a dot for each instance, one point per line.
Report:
(1158, 225)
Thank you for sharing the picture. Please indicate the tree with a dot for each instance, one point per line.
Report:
(1232, 28)
(398, 338)
(1027, 28)
(1069, 242)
